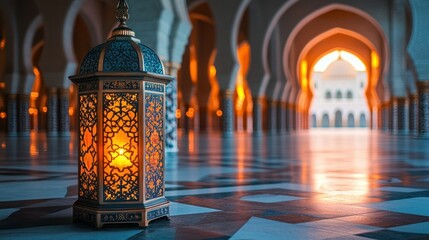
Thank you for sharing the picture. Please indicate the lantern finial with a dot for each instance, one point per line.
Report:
(122, 15)
(122, 12)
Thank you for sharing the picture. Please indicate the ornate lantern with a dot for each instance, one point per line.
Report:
(121, 97)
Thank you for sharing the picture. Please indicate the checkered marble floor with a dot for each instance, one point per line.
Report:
(316, 184)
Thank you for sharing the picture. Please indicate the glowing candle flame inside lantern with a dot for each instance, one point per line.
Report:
(121, 154)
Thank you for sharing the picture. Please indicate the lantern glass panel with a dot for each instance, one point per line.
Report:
(121, 156)
(88, 161)
(154, 159)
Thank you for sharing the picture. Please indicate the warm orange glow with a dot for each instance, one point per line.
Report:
(44, 109)
(36, 72)
(31, 111)
(240, 93)
(3, 145)
(33, 150)
(304, 74)
(243, 54)
(191, 142)
(3, 115)
(193, 65)
(219, 113)
(375, 60)
(335, 185)
(71, 111)
(212, 71)
(2, 85)
(178, 113)
(34, 94)
(190, 113)
(121, 153)
(331, 57)
(2, 43)
(241, 158)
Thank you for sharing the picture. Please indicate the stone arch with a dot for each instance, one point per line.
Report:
(351, 120)
(313, 120)
(260, 79)
(67, 40)
(325, 120)
(338, 122)
(27, 53)
(362, 120)
(338, 94)
(347, 8)
(320, 10)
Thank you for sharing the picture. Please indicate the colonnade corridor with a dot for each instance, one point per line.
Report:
(309, 184)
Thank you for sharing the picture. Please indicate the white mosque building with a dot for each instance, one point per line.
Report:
(339, 82)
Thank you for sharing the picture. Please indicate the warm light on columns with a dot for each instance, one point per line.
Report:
(304, 73)
(331, 57)
(193, 65)
(375, 60)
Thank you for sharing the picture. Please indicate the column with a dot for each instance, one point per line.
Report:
(272, 116)
(64, 117)
(257, 115)
(170, 117)
(12, 115)
(281, 116)
(23, 115)
(227, 112)
(52, 114)
(389, 117)
(413, 100)
(399, 115)
(423, 109)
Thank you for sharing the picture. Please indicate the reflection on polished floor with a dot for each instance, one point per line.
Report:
(316, 184)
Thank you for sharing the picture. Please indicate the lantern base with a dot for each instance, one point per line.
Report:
(112, 214)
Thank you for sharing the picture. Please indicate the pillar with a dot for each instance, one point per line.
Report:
(419, 53)
(227, 108)
(272, 116)
(258, 115)
(413, 100)
(399, 115)
(12, 115)
(23, 115)
(63, 116)
(423, 109)
(281, 116)
(52, 114)
(389, 117)
(170, 117)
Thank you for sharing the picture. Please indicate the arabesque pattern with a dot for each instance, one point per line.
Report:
(154, 158)
(88, 161)
(120, 124)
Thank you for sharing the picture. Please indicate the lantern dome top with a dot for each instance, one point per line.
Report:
(122, 52)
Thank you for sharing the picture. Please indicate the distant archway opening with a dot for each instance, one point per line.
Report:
(344, 74)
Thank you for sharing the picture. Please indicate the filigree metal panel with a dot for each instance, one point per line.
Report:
(151, 61)
(121, 217)
(120, 124)
(154, 135)
(88, 161)
(123, 85)
(88, 86)
(121, 56)
(158, 213)
(90, 62)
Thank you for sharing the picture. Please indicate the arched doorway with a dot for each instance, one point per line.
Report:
(325, 120)
(338, 119)
(344, 74)
(350, 120)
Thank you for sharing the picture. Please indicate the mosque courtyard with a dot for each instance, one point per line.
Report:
(309, 184)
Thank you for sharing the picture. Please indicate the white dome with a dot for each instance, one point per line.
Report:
(340, 69)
